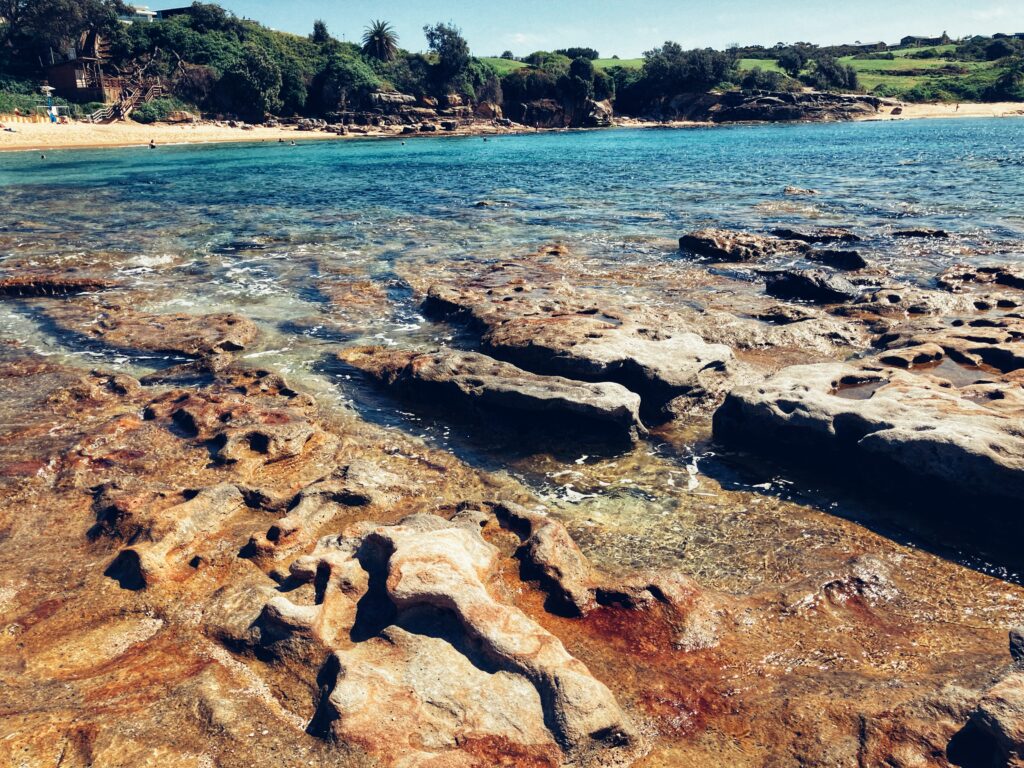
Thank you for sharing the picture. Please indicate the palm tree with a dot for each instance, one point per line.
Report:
(380, 41)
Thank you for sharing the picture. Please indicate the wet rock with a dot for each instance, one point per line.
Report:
(935, 234)
(472, 379)
(914, 356)
(814, 285)
(823, 236)
(957, 277)
(569, 336)
(120, 327)
(723, 245)
(550, 555)
(900, 425)
(429, 572)
(50, 285)
(799, 191)
(849, 261)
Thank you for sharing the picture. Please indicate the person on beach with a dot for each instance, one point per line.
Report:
(152, 144)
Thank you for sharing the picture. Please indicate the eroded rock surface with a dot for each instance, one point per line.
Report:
(123, 328)
(905, 425)
(475, 380)
(429, 571)
(568, 336)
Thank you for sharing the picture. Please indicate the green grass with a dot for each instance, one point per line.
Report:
(624, 63)
(768, 65)
(874, 65)
(940, 48)
(502, 66)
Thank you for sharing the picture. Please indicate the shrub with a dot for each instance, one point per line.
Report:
(579, 53)
(158, 110)
(828, 74)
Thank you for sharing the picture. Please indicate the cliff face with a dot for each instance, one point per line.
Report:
(552, 113)
(764, 106)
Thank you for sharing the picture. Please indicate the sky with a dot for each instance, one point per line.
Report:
(628, 28)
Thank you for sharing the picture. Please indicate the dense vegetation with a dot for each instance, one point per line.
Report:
(212, 61)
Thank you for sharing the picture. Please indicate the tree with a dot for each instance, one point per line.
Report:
(345, 81)
(792, 61)
(828, 74)
(320, 34)
(252, 86)
(578, 53)
(452, 50)
(670, 70)
(380, 41)
(508, 55)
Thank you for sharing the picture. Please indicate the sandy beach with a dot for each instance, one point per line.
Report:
(923, 111)
(81, 135)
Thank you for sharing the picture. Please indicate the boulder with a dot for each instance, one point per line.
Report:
(723, 245)
(907, 429)
(848, 261)
(814, 285)
(470, 379)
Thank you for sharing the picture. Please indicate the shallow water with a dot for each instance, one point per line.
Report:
(267, 229)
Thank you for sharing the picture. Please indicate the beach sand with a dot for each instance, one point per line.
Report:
(919, 111)
(47, 136)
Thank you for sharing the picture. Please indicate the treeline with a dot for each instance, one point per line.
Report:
(220, 64)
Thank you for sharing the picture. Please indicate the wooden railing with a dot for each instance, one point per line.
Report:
(133, 96)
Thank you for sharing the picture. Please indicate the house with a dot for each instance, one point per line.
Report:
(138, 14)
(912, 41)
(168, 13)
(77, 75)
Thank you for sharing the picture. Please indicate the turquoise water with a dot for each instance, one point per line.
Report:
(266, 229)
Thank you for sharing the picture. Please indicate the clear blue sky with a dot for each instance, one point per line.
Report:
(629, 27)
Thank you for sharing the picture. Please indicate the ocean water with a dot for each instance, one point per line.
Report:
(260, 228)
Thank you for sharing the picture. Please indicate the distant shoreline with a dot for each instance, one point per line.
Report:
(46, 137)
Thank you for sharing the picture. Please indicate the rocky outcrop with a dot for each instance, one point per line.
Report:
(469, 379)
(849, 261)
(427, 572)
(742, 106)
(993, 344)
(724, 245)
(892, 425)
(957, 278)
(581, 340)
(120, 327)
(814, 285)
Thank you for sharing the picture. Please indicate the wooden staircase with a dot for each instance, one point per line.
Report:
(131, 97)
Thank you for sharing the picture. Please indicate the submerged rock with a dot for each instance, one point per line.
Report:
(471, 378)
(935, 234)
(896, 426)
(50, 285)
(823, 236)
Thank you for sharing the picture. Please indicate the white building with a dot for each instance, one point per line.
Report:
(137, 14)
